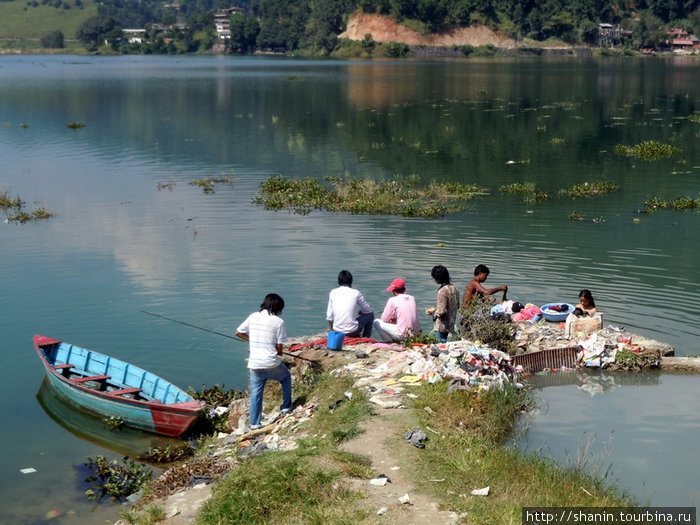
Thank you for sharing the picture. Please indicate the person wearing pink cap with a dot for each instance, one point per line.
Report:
(400, 316)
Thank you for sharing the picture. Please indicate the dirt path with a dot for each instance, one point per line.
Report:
(383, 442)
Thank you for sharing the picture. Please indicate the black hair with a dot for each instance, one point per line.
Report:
(482, 268)
(399, 290)
(344, 278)
(517, 307)
(440, 274)
(588, 295)
(273, 303)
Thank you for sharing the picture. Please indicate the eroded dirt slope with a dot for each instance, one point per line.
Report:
(384, 29)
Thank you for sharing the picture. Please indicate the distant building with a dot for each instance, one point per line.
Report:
(222, 18)
(610, 35)
(679, 40)
(134, 36)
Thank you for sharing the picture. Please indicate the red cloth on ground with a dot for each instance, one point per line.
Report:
(322, 342)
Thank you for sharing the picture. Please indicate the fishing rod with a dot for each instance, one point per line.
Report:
(218, 333)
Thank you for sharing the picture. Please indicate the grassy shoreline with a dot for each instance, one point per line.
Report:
(316, 481)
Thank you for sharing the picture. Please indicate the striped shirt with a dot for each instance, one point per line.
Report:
(265, 331)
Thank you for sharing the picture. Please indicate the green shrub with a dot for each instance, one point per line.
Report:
(478, 325)
(396, 50)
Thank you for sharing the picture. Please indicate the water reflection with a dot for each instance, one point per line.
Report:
(640, 428)
(124, 441)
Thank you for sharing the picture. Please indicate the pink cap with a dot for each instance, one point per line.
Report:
(396, 283)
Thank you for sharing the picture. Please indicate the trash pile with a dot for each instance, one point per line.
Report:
(463, 363)
(533, 337)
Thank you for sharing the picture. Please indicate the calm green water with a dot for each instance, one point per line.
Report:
(118, 244)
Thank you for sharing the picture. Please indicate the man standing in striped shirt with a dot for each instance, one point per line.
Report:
(265, 332)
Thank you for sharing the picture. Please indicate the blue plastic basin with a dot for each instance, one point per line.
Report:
(556, 317)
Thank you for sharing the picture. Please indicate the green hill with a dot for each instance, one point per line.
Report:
(30, 20)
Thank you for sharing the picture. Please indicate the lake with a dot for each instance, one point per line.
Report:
(130, 233)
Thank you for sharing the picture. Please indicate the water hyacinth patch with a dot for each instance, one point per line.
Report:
(589, 189)
(207, 184)
(518, 188)
(210, 398)
(648, 150)
(114, 479)
(8, 202)
(579, 217)
(526, 189)
(401, 196)
(677, 204)
(23, 216)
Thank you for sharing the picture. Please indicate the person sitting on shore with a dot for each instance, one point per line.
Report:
(586, 304)
(475, 287)
(400, 316)
(445, 313)
(342, 312)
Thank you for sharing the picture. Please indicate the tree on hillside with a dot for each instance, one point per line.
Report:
(53, 40)
(282, 24)
(244, 32)
(94, 29)
(326, 21)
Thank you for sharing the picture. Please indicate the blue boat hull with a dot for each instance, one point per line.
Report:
(108, 387)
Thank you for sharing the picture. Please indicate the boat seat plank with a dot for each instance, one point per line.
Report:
(63, 367)
(123, 391)
(90, 378)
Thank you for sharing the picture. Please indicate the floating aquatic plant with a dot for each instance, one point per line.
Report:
(526, 189)
(402, 196)
(518, 188)
(76, 125)
(207, 184)
(168, 454)
(20, 216)
(579, 217)
(23, 216)
(695, 117)
(648, 150)
(677, 204)
(211, 398)
(7, 202)
(589, 189)
(114, 422)
(41, 213)
(114, 479)
(166, 185)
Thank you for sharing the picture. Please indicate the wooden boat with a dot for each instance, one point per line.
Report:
(109, 387)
